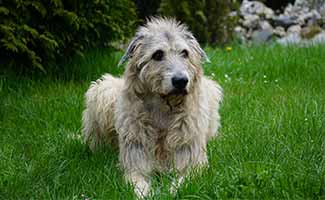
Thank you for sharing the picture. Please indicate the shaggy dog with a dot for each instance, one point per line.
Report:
(163, 111)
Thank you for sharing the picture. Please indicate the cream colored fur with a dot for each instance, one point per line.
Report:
(154, 129)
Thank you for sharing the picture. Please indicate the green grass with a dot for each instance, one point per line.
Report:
(271, 145)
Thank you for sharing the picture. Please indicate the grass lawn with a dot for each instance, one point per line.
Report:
(271, 144)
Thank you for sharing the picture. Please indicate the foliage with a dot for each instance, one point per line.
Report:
(146, 8)
(277, 5)
(36, 33)
(210, 20)
(190, 12)
(220, 22)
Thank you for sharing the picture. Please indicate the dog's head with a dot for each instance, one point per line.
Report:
(164, 58)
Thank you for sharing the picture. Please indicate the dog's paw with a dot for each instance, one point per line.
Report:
(175, 185)
(142, 189)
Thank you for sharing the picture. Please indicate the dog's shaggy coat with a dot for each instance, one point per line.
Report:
(156, 124)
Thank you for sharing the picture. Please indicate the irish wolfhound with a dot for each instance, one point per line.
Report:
(163, 111)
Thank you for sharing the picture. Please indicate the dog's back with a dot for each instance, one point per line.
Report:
(98, 117)
(214, 94)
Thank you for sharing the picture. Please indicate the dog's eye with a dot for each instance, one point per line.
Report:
(158, 55)
(185, 53)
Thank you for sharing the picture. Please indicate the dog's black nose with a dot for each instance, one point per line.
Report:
(179, 82)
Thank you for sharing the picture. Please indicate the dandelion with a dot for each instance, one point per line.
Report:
(212, 74)
(228, 49)
(264, 76)
(276, 80)
(265, 81)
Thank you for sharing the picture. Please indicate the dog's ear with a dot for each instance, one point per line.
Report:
(196, 47)
(134, 44)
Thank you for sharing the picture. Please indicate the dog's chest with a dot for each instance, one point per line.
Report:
(160, 118)
(158, 113)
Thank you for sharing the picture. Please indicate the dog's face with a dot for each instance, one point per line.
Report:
(167, 69)
(166, 58)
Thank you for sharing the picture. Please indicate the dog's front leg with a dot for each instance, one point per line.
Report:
(186, 158)
(137, 167)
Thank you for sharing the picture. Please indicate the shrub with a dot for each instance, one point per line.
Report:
(209, 20)
(189, 12)
(146, 8)
(37, 33)
(220, 23)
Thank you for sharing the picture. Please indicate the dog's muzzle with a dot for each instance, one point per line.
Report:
(178, 92)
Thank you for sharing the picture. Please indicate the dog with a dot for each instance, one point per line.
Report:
(162, 112)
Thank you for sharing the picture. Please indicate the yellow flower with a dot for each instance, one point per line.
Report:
(228, 49)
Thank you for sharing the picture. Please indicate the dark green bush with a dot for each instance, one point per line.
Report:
(37, 33)
(209, 20)
(146, 8)
(190, 12)
(277, 5)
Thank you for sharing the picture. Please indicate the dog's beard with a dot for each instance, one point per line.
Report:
(178, 92)
(175, 93)
(175, 98)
